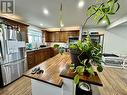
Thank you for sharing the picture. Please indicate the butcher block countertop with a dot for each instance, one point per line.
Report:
(52, 69)
(59, 66)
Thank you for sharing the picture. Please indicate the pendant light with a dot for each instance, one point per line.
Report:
(61, 16)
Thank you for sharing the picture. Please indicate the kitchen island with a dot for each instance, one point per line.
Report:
(49, 82)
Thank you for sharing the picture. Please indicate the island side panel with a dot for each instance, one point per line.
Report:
(68, 87)
(41, 88)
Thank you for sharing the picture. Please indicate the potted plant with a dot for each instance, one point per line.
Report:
(85, 54)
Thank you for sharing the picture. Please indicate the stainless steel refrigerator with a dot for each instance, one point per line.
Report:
(12, 54)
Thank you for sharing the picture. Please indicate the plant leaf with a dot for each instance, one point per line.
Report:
(56, 46)
(118, 6)
(76, 79)
(99, 68)
(85, 61)
(107, 20)
(80, 69)
(80, 45)
(61, 50)
(72, 46)
(115, 1)
(100, 20)
(90, 70)
(72, 66)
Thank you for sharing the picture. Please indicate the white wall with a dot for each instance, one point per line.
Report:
(51, 44)
(116, 40)
(117, 22)
(100, 30)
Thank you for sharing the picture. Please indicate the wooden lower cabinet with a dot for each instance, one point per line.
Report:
(30, 59)
(38, 56)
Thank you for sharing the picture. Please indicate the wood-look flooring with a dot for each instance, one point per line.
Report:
(114, 83)
(21, 86)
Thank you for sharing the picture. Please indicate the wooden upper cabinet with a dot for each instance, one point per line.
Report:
(60, 36)
(23, 27)
(57, 36)
(53, 36)
(47, 39)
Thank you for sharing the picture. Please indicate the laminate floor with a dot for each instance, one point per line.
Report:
(114, 83)
(21, 86)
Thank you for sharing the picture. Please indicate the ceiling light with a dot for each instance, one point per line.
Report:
(41, 24)
(62, 25)
(45, 11)
(103, 22)
(61, 16)
(81, 3)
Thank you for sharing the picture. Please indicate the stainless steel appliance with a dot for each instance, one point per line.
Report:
(12, 55)
(73, 40)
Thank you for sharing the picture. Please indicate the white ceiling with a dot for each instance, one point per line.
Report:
(31, 11)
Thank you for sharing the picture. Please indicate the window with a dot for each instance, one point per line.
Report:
(34, 36)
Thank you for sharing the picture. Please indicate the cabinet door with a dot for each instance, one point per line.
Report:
(56, 35)
(43, 55)
(47, 36)
(62, 36)
(72, 33)
(38, 58)
(47, 53)
(30, 60)
(51, 52)
(52, 36)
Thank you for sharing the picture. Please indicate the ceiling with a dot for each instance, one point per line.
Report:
(31, 12)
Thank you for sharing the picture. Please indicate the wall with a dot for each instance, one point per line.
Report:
(116, 40)
(51, 44)
(118, 22)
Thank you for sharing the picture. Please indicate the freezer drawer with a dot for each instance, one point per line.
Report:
(12, 71)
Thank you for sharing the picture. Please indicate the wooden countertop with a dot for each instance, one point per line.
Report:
(52, 69)
(67, 73)
(58, 66)
(32, 50)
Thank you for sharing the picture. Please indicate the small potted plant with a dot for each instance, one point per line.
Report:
(84, 55)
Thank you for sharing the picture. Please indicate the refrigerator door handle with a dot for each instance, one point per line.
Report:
(14, 62)
(1, 47)
(3, 43)
(1, 53)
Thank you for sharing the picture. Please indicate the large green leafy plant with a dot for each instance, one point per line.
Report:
(102, 10)
(91, 54)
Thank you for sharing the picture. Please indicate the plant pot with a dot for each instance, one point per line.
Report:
(74, 58)
(86, 74)
(83, 89)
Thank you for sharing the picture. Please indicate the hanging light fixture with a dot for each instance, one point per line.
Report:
(61, 16)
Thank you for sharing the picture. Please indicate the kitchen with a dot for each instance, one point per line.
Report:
(31, 65)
